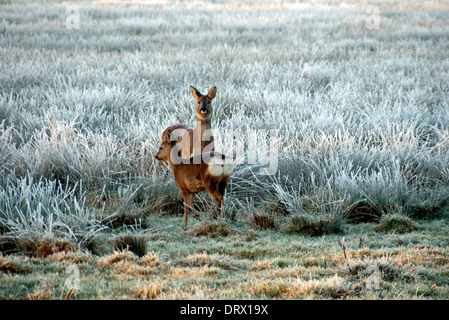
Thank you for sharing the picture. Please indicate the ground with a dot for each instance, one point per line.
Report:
(245, 264)
(343, 103)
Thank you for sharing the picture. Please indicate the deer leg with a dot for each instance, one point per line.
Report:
(221, 191)
(192, 207)
(188, 204)
(220, 207)
(211, 188)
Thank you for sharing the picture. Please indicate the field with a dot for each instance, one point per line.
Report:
(336, 114)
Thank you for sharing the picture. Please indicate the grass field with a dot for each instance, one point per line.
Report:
(347, 100)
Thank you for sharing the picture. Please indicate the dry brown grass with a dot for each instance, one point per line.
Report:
(151, 259)
(148, 291)
(261, 265)
(312, 226)
(72, 257)
(130, 217)
(8, 267)
(134, 243)
(116, 257)
(276, 207)
(204, 259)
(263, 220)
(168, 205)
(37, 247)
(210, 229)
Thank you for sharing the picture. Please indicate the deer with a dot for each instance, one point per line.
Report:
(201, 136)
(208, 171)
(196, 140)
(181, 131)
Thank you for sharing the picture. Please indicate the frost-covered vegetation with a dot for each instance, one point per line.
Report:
(361, 114)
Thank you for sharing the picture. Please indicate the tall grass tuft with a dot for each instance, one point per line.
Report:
(44, 210)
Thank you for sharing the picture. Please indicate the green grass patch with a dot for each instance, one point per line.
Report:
(312, 226)
(396, 223)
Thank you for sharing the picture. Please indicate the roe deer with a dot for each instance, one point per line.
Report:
(202, 135)
(194, 141)
(210, 173)
(181, 131)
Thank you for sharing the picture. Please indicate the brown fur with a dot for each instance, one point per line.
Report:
(193, 177)
(203, 120)
(193, 143)
(181, 131)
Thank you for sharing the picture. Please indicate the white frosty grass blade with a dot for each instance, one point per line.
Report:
(44, 208)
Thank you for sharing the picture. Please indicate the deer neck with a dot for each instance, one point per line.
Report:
(201, 138)
(179, 159)
(203, 124)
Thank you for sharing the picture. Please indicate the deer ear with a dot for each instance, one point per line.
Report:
(168, 134)
(212, 93)
(196, 94)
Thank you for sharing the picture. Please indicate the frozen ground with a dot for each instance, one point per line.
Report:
(353, 96)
